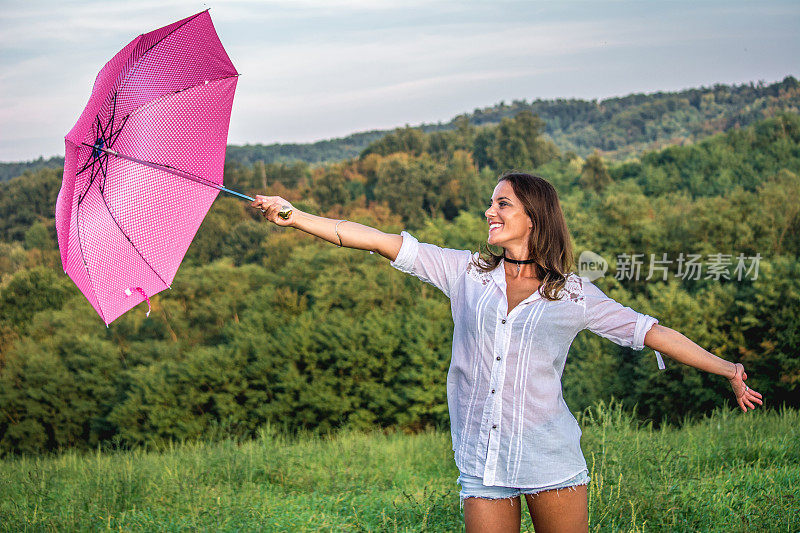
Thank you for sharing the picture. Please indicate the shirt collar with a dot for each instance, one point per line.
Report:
(499, 276)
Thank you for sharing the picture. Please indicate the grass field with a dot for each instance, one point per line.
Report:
(732, 471)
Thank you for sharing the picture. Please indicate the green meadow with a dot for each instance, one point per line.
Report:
(729, 471)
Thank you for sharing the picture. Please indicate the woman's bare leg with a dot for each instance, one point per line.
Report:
(560, 510)
(482, 515)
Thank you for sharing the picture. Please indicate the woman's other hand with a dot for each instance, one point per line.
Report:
(745, 396)
(270, 207)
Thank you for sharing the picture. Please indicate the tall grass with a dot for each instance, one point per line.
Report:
(731, 471)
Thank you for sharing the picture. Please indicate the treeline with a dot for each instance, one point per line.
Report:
(627, 125)
(619, 127)
(328, 150)
(267, 324)
(12, 170)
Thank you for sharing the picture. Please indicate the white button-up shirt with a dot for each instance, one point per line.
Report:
(509, 422)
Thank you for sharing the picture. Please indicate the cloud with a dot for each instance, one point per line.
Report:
(314, 68)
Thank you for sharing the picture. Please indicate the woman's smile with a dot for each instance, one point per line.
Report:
(505, 209)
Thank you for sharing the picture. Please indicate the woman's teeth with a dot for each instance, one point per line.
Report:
(494, 226)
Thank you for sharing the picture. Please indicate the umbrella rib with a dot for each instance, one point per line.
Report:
(82, 195)
(102, 183)
(105, 202)
(113, 115)
(85, 165)
(114, 134)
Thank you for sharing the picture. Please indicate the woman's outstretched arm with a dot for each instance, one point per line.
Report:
(682, 349)
(352, 234)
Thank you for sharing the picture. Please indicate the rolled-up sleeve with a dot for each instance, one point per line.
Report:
(438, 266)
(612, 320)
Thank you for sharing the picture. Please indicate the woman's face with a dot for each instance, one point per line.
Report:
(508, 223)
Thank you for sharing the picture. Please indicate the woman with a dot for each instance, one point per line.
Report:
(515, 316)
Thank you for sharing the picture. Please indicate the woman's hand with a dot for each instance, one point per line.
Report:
(271, 205)
(744, 394)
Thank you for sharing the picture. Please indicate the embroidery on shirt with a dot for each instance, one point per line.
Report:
(573, 290)
(478, 275)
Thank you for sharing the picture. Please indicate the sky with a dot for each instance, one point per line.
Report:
(320, 69)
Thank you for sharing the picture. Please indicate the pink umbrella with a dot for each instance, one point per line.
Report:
(144, 163)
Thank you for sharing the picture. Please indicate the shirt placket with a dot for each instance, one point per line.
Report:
(493, 407)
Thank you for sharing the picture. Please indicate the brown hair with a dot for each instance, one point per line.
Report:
(549, 243)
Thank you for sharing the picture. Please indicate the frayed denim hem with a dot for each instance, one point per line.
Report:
(462, 498)
(581, 478)
(570, 487)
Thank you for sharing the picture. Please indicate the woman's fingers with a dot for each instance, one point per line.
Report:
(749, 402)
(272, 211)
(260, 202)
(270, 206)
(749, 398)
(265, 208)
(754, 396)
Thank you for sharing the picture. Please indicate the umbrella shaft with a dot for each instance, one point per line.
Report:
(171, 170)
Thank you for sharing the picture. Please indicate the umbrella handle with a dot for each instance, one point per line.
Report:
(284, 213)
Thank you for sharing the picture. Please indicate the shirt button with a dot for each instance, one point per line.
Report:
(494, 426)
(504, 321)
(498, 357)
(492, 391)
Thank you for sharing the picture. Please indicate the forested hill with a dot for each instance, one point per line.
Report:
(17, 168)
(618, 127)
(269, 325)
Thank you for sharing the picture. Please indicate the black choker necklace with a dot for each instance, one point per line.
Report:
(525, 262)
(518, 263)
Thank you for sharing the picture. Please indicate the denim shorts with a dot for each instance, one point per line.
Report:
(472, 486)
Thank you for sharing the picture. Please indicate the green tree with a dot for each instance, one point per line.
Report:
(30, 291)
(182, 399)
(58, 383)
(331, 188)
(779, 199)
(594, 175)
(27, 199)
(401, 186)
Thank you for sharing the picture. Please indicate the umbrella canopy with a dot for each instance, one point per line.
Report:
(158, 114)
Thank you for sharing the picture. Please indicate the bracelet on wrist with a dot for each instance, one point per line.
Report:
(336, 230)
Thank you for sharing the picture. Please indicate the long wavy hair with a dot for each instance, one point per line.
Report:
(549, 243)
